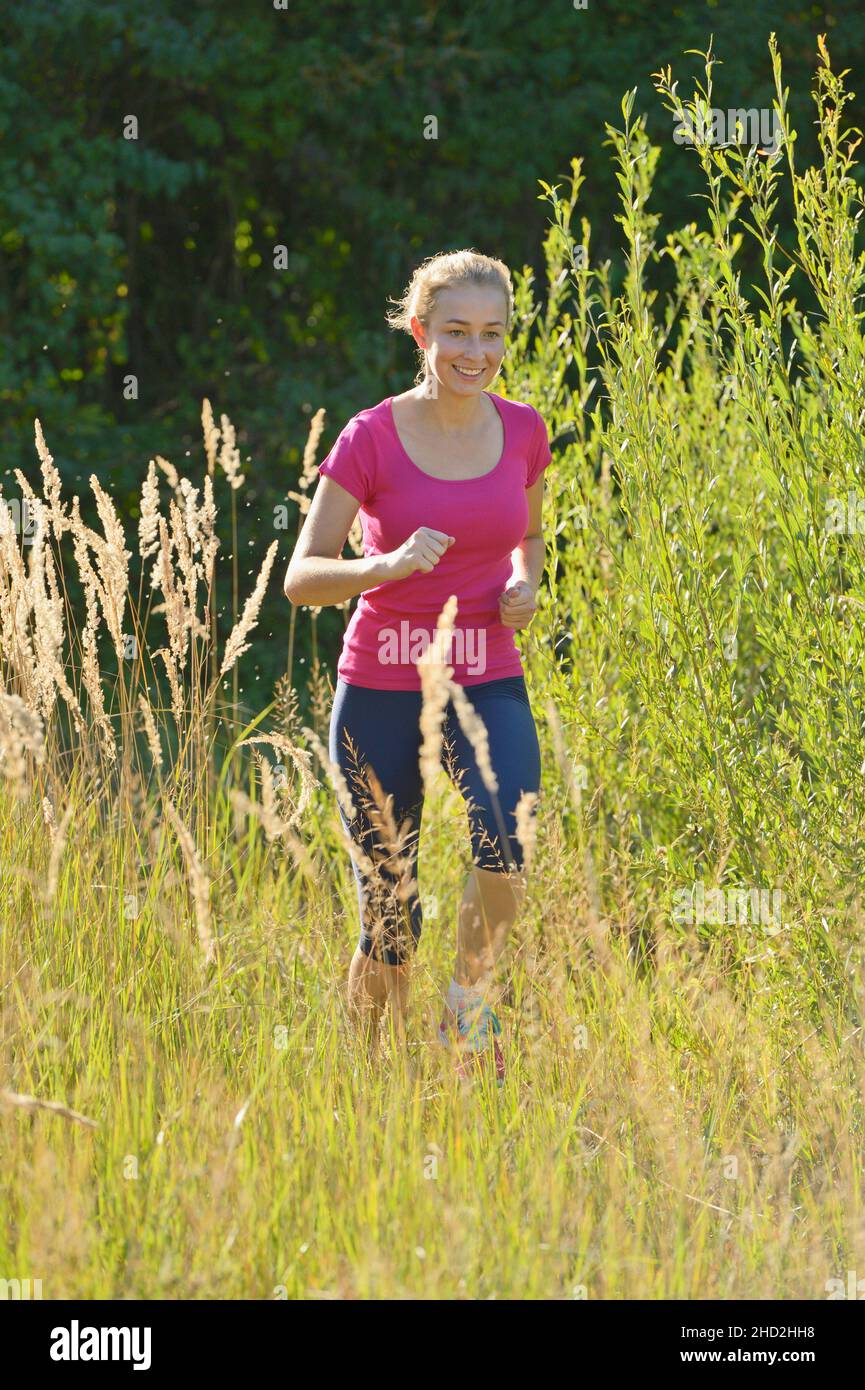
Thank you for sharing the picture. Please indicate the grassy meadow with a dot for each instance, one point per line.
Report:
(183, 1113)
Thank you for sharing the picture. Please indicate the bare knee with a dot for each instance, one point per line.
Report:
(506, 890)
(490, 906)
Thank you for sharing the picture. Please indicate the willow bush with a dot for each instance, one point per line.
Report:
(706, 586)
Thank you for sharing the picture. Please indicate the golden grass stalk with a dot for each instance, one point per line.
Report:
(274, 828)
(435, 687)
(387, 843)
(334, 772)
(58, 844)
(527, 827)
(235, 646)
(48, 624)
(308, 470)
(199, 882)
(475, 731)
(21, 733)
(148, 521)
(229, 455)
(24, 485)
(402, 885)
(302, 760)
(211, 435)
(206, 521)
(112, 559)
(343, 794)
(150, 730)
(172, 606)
(264, 811)
(15, 639)
(184, 539)
(51, 485)
(56, 1107)
(92, 679)
(169, 470)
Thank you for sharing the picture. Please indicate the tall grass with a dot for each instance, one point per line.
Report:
(183, 1112)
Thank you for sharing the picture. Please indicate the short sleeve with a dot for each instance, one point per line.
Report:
(351, 461)
(539, 451)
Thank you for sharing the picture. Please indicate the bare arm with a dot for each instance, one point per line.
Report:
(317, 575)
(529, 557)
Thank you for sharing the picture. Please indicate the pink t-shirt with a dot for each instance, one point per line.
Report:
(395, 622)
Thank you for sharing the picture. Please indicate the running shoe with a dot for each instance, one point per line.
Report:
(476, 1034)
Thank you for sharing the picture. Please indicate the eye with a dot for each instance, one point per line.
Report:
(455, 331)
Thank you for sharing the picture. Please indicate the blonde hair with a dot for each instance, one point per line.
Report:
(441, 272)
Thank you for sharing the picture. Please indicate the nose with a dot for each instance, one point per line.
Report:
(473, 351)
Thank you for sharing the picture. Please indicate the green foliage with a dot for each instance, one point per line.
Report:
(682, 1114)
(301, 127)
(708, 571)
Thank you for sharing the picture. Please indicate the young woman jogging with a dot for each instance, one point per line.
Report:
(448, 478)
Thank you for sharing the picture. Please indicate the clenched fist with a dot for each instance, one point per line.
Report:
(517, 605)
(421, 552)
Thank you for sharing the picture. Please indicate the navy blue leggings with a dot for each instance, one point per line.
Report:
(384, 727)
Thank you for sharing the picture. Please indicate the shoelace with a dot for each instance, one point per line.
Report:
(474, 1023)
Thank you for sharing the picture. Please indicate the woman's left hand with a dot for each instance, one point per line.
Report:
(517, 605)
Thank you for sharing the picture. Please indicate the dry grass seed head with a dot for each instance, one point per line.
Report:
(236, 645)
(199, 882)
(22, 733)
(229, 456)
(302, 761)
(435, 687)
(51, 485)
(211, 435)
(148, 521)
(150, 730)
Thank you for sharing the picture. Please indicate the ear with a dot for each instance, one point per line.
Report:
(418, 332)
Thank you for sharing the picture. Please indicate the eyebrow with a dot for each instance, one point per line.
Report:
(491, 323)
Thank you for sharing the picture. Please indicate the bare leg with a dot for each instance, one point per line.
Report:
(489, 907)
(373, 986)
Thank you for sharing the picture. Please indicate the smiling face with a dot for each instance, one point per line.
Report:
(465, 337)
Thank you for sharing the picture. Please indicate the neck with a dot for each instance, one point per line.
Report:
(448, 410)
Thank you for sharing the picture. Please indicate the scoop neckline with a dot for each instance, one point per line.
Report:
(432, 477)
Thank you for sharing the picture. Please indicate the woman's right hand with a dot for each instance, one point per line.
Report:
(422, 551)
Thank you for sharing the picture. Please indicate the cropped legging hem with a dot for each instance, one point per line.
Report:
(379, 731)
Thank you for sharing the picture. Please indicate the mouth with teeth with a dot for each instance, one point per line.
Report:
(469, 374)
